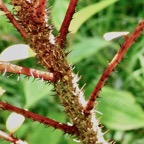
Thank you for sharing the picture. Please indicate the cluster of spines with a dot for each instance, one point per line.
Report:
(50, 56)
(53, 58)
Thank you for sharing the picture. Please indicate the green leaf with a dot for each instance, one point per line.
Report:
(86, 48)
(34, 91)
(42, 135)
(84, 14)
(120, 110)
(58, 12)
(16, 52)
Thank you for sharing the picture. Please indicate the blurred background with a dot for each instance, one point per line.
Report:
(121, 103)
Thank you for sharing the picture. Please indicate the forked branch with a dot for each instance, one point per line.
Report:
(111, 66)
(53, 58)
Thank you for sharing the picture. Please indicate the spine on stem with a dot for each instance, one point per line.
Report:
(33, 17)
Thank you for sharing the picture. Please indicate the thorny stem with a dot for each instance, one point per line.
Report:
(53, 58)
(61, 39)
(8, 67)
(46, 121)
(111, 66)
(12, 19)
(10, 138)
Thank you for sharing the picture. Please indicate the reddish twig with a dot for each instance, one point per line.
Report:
(46, 121)
(61, 39)
(8, 67)
(111, 66)
(10, 138)
(12, 19)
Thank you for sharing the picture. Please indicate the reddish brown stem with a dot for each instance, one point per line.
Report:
(41, 6)
(111, 66)
(12, 19)
(8, 67)
(10, 138)
(61, 39)
(46, 121)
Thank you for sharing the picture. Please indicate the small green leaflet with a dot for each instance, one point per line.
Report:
(84, 14)
(120, 110)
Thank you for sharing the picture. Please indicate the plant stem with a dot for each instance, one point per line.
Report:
(8, 67)
(53, 58)
(111, 66)
(41, 119)
(12, 19)
(10, 138)
(61, 39)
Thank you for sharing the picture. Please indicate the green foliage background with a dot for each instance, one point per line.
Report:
(122, 99)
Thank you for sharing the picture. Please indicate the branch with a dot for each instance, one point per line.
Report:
(61, 39)
(53, 58)
(8, 67)
(111, 66)
(41, 119)
(12, 19)
(11, 138)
